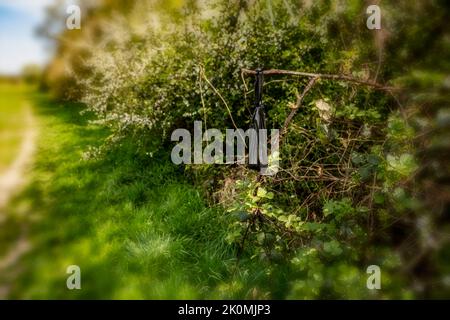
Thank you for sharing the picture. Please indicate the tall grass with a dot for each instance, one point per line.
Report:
(133, 224)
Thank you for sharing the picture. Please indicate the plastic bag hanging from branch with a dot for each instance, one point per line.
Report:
(259, 150)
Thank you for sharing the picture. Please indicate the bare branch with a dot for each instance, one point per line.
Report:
(323, 76)
(297, 106)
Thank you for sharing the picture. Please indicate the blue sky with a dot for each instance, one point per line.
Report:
(18, 42)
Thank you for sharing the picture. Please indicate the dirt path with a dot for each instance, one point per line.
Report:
(11, 182)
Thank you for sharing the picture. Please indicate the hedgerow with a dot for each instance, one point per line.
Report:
(349, 193)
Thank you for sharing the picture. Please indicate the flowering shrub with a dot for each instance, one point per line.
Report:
(346, 195)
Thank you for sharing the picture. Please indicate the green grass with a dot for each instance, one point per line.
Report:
(12, 112)
(133, 224)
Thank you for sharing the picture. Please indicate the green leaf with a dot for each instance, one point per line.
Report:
(242, 216)
(405, 164)
(261, 192)
(379, 198)
(332, 247)
(328, 208)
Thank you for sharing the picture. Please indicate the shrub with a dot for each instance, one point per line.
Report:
(349, 157)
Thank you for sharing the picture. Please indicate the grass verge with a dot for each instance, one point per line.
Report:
(134, 225)
(12, 112)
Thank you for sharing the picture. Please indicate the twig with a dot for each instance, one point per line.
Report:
(220, 96)
(201, 97)
(323, 76)
(297, 106)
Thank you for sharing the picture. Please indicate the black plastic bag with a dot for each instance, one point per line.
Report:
(258, 123)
